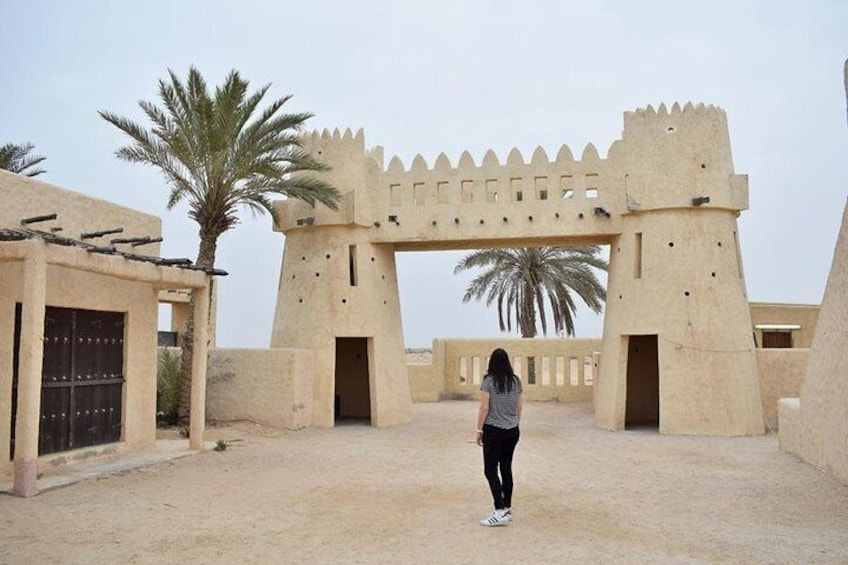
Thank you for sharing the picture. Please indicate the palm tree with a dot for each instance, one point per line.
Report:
(219, 152)
(15, 158)
(520, 279)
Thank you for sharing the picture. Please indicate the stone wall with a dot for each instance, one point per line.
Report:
(268, 386)
(781, 374)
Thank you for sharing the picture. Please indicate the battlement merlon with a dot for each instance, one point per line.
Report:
(353, 169)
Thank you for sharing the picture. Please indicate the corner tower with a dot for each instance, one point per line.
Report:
(338, 294)
(678, 351)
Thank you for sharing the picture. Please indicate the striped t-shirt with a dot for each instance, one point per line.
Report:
(503, 406)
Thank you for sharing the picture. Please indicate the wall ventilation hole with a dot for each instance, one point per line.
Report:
(620, 297)
(505, 219)
(344, 300)
(456, 220)
(294, 276)
(327, 255)
(671, 244)
(670, 129)
(300, 300)
(434, 222)
(317, 274)
(383, 277)
(303, 258)
(556, 214)
(686, 293)
(712, 274)
(372, 258)
(719, 244)
(618, 249)
(482, 222)
(530, 218)
(703, 165)
(580, 215)
(384, 302)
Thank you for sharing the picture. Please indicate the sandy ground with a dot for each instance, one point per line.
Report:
(414, 493)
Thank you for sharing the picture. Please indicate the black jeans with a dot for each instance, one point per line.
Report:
(498, 447)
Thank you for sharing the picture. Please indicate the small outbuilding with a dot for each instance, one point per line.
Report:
(79, 292)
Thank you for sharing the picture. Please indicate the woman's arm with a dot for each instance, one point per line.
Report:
(481, 415)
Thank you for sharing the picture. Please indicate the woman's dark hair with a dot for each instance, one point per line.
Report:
(501, 370)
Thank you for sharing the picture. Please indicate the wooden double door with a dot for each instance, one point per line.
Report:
(82, 379)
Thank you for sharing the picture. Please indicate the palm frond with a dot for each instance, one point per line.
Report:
(521, 281)
(221, 152)
(16, 158)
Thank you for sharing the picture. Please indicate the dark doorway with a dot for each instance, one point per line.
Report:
(353, 397)
(772, 339)
(82, 379)
(643, 382)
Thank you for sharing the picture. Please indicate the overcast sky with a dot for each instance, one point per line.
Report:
(448, 76)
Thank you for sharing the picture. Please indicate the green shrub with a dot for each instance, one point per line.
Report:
(167, 387)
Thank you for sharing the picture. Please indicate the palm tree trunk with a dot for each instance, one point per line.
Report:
(527, 325)
(205, 258)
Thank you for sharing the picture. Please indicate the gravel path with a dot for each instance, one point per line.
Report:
(414, 493)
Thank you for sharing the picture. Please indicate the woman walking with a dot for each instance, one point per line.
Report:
(497, 432)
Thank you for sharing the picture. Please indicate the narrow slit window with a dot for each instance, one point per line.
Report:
(475, 370)
(637, 253)
(351, 262)
(738, 254)
(531, 370)
(463, 370)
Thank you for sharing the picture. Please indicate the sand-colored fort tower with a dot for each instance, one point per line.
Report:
(677, 352)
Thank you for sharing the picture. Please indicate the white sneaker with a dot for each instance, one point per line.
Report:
(496, 518)
(508, 514)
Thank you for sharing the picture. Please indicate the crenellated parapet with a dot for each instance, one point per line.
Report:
(497, 199)
(666, 159)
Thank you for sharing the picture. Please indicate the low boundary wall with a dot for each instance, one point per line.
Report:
(272, 387)
(562, 370)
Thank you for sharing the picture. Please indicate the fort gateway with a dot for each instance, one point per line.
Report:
(677, 350)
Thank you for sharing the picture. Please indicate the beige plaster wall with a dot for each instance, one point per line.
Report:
(781, 373)
(805, 315)
(23, 197)
(424, 384)
(272, 387)
(816, 427)
(69, 288)
(320, 304)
